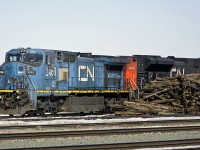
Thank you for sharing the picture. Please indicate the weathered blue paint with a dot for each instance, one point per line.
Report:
(57, 70)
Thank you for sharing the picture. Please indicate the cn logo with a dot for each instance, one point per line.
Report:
(177, 70)
(84, 72)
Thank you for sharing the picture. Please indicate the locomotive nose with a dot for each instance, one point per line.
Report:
(13, 69)
(13, 74)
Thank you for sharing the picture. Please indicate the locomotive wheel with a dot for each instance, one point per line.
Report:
(32, 113)
(99, 112)
(54, 111)
(23, 115)
(41, 111)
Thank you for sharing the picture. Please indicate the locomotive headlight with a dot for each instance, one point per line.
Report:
(23, 51)
(1, 72)
(0, 96)
(18, 97)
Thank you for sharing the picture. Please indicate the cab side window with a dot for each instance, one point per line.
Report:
(50, 60)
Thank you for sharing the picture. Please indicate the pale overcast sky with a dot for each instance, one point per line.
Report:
(107, 27)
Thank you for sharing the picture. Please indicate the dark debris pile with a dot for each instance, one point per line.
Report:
(174, 95)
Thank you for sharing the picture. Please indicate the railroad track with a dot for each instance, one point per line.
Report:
(56, 134)
(135, 145)
(107, 124)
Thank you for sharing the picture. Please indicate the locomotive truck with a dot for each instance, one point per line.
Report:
(36, 81)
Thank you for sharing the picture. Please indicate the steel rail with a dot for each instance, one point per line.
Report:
(31, 135)
(134, 145)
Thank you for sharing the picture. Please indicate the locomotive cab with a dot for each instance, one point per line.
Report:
(17, 85)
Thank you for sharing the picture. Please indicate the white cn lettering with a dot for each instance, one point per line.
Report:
(87, 71)
(177, 71)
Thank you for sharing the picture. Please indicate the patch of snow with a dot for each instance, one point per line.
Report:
(87, 120)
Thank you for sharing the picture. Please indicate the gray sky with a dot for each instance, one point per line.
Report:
(107, 27)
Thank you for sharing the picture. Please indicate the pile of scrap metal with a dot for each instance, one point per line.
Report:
(174, 95)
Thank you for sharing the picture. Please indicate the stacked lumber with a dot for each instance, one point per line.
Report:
(180, 94)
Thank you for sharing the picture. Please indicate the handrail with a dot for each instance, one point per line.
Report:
(138, 90)
(31, 82)
(141, 83)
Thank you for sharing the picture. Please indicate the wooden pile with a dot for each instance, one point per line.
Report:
(180, 94)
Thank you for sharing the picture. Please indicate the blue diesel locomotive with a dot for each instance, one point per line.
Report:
(35, 81)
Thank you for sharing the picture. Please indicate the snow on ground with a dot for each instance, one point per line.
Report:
(85, 120)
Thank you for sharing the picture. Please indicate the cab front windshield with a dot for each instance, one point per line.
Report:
(14, 57)
(34, 59)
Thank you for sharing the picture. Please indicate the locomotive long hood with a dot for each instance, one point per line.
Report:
(159, 64)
